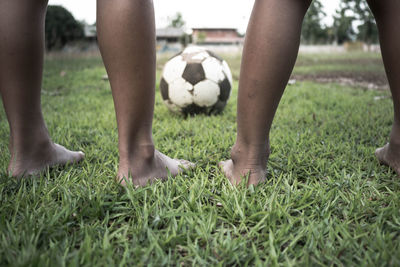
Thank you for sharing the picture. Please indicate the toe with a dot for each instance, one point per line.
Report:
(72, 157)
(380, 154)
(121, 181)
(222, 164)
(79, 156)
(226, 168)
(185, 164)
(65, 156)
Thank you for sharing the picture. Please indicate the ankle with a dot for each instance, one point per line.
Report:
(29, 145)
(250, 154)
(395, 135)
(140, 152)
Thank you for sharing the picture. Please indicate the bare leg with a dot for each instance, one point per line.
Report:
(388, 19)
(126, 32)
(21, 64)
(270, 52)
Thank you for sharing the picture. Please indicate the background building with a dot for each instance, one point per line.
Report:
(217, 36)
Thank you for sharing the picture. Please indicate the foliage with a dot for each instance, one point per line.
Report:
(177, 21)
(313, 30)
(327, 201)
(367, 30)
(351, 12)
(343, 24)
(61, 28)
(201, 37)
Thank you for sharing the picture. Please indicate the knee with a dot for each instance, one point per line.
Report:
(40, 3)
(307, 3)
(376, 6)
(373, 5)
(304, 5)
(300, 5)
(297, 5)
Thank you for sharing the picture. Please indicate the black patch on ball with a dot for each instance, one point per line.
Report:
(193, 109)
(218, 107)
(178, 54)
(164, 89)
(194, 73)
(225, 89)
(215, 55)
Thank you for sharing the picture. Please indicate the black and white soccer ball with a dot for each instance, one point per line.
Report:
(196, 81)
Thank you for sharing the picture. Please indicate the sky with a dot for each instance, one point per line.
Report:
(204, 13)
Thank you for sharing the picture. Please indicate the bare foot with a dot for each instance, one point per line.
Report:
(389, 155)
(48, 154)
(148, 166)
(244, 164)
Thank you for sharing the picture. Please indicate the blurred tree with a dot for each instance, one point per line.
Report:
(351, 12)
(201, 37)
(61, 28)
(177, 21)
(367, 30)
(343, 23)
(313, 30)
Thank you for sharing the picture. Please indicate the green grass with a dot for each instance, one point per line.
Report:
(345, 64)
(327, 200)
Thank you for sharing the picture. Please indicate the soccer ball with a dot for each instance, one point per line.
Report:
(196, 81)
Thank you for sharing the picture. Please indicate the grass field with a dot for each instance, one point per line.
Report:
(327, 201)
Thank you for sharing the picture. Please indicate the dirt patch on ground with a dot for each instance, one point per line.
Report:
(372, 81)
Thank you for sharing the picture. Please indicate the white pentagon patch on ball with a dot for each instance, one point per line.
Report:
(196, 81)
(174, 68)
